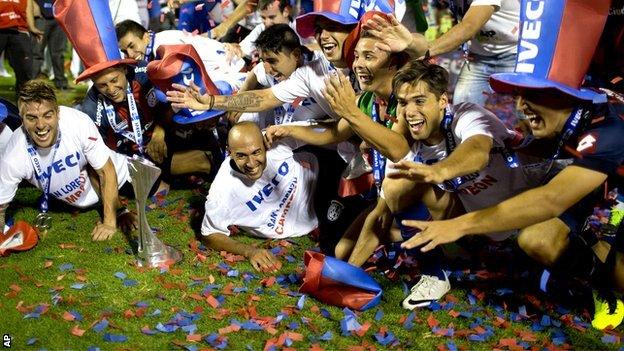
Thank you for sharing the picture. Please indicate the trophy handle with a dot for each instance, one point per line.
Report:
(151, 251)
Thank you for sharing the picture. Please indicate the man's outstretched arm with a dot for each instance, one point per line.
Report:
(530, 207)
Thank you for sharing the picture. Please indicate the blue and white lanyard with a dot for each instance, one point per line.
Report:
(43, 177)
(285, 115)
(570, 127)
(379, 161)
(150, 47)
(122, 128)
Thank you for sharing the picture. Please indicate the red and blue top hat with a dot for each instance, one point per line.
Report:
(181, 64)
(557, 41)
(347, 12)
(89, 26)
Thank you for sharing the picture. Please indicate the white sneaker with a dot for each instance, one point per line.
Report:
(428, 289)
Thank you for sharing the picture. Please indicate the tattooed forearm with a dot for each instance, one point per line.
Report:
(245, 101)
(248, 101)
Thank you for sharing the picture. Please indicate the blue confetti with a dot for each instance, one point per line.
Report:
(293, 325)
(167, 328)
(66, 267)
(290, 259)
(301, 302)
(379, 315)
(154, 313)
(76, 314)
(232, 273)
(93, 348)
(545, 321)
(78, 286)
(451, 346)
(190, 329)
(476, 337)
(101, 325)
(142, 304)
(609, 339)
(325, 313)
(31, 341)
(115, 337)
(120, 275)
(327, 336)
(409, 321)
(130, 282)
(250, 325)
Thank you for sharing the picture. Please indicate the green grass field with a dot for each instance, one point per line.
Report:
(72, 293)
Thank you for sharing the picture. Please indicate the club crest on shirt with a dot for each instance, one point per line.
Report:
(334, 211)
(152, 100)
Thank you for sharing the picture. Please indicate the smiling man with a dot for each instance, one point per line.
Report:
(266, 193)
(59, 150)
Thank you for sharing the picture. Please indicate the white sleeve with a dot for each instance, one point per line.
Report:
(297, 85)
(96, 152)
(216, 219)
(247, 45)
(472, 120)
(11, 174)
(261, 76)
(496, 3)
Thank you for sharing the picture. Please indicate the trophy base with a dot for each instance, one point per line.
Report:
(168, 257)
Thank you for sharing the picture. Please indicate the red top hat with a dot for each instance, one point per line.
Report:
(21, 237)
(89, 26)
(557, 41)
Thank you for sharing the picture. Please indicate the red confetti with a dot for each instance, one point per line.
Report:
(194, 337)
(432, 321)
(69, 317)
(76, 331)
(212, 301)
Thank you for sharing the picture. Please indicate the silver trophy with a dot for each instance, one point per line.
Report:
(151, 252)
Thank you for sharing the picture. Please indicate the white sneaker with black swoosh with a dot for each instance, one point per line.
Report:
(428, 289)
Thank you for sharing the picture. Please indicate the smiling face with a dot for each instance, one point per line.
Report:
(134, 46)
(547, 111)
(331, 37)
(112, 83)
(422, 111)
(247, 150)
(272, 15)
(40, 120)
(280, 65)
(372, 67)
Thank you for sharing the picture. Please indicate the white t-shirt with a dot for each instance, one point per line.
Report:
(278, 205)
(308, 81)
(211, 52)
(500, 33)
(81, 144)
(122, 10)
(5, 135)
(497, 181)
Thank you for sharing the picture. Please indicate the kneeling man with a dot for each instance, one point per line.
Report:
(267, 193)
(60, 151)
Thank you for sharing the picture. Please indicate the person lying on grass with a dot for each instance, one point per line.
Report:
(60, 151)
(266, 193)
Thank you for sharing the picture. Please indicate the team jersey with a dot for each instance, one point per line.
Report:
(13, 15)
(500, 33)
(490, 186)
(599, 147)
(277, 205)
(81, 144)
(151, 109)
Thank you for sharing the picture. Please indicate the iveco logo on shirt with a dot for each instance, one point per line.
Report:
(267, 190)
(531, 32)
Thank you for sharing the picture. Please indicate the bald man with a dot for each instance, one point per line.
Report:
(265, 193)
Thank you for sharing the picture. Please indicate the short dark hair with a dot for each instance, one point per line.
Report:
(129, 26)
(415, 71)
(36, 91)
(278, 38)
(264, 4)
